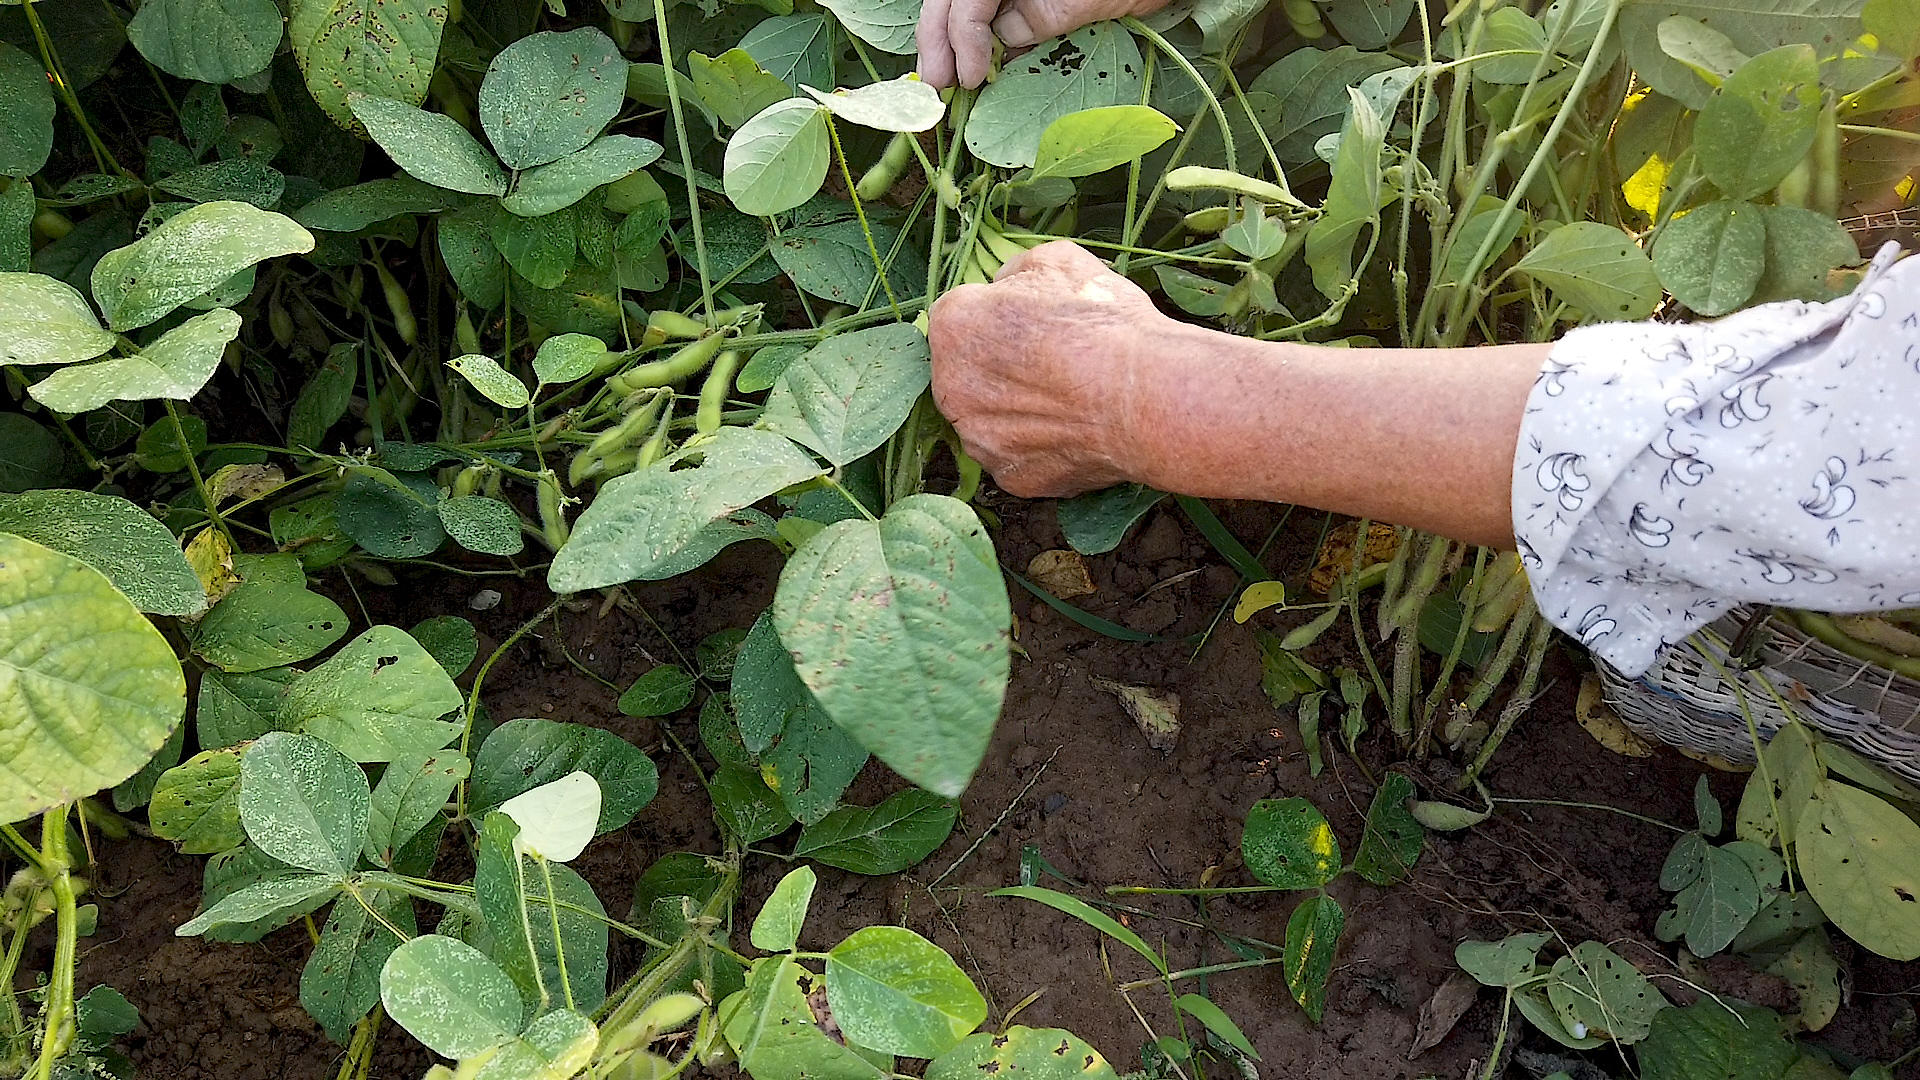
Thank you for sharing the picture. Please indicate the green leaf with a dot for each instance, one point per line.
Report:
(481, 524)
(1711, 258)
(1310, 88)
(350, 209)
(1393, 838)
(734, 86)
(1716, 1040)
(812, 762)
(17, 209)
(494, 382)
(1024, 1053)
(176, 366)
(642, 524)
(664, 690)
(1804, 247)
(1093, 917)
(560, 184)
(304, 803)
(447, 994)
(431, 147)
(240, 179)
(1505, 963)
(1216, 1021)
(886, 25)
(473, 260)
(1750, 26)
(1758, 124)
(1287, 843)
(1860, 857)
(540, 249)
(1368, 24)
(1094, 140)
(772, 1028)
(192, 252)
(1896, 23)
(778, 159)
(391, 516)
(1511, 31)
(524, 754)
(77, 725)
(384, 48)
(885, 839)
(196, 804)
(235, 708)
(450, 640)
(1097, 66)
(796, 49)
(341, 982)
(1711, 54)
(265, 625)
(832, 261)
(525, 942)
(26, 113)
(1593, 988)
(900, 629)
(1313, 935)
(902, 104)
(412, 792)
(565, 358)
(1596, 268)
(133, 549)
(849, 393)
(1353, 203)
(894, 991)
(1095, 523)
(1795, 771)
(747, 807)
(549, 94)
(777, 927)
(381, 696)
(44, 320)
(1706, 808)
(274, 898)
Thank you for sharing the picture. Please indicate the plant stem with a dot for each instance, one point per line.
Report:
(480, 678)
(193, 468)
(1592, 806)
(1516, 705)
(55, 863)
(1210, 969)
(1230, 890)
(686, 156)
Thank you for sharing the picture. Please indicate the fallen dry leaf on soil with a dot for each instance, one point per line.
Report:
(1157, 713)
(1604, 724)
(1062, 573)
(1335, 557)
(1443, 1010)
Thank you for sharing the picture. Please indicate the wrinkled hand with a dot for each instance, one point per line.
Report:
(956, 36)
(1039, 370)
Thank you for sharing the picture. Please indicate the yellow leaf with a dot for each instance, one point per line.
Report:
(1643, 188)
(1601, 722)
(1259, 596)
(212, 559)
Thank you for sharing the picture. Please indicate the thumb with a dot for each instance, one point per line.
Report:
(1029, 22)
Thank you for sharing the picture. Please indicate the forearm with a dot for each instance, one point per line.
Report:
(1419, 437)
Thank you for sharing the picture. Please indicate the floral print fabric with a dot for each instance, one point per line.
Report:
(1666, 473)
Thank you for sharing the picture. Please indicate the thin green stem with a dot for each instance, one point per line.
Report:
(860, 212)
(55, 864)
(686, 155)
(193, 466)
(1200, 972)
(1591, 806)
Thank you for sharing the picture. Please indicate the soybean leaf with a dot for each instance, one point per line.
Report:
(391, 516)
(131, 547)
(1803, 248)
(450, 640)
(449, 995)
(1712, 909)
(1758, 124)
(734, 86)
(1093, 917)
(771, 1026)
(1896, 23)
(241, 179)
(777, 927)
(1095, 66)
(796, 49)
(1028, 1053)
(565, 358)
(812, 762)
(555, 1044)
(481, 524)
(1596, 268)
(176, 366)
(555, 821)
(885, 839)
(1393, 838)
(1094, 140)
(385, 48)
(1750, 26)
(894, 991)
(540, 249)
(304, 803)
(1216, 1021)
(1711, 54)
(1353, 202)
(559, 184)
(412, 792)
(525, 941)
(1796, 772)
(1711, 258)
(379, 697)
(764, 368)
(279, 897)
(1313, 934)
(902, 104)
(192, 252)
(432, 147)
(79, 725)
(778, 159)
(833, 261)
(1710, 1040)
(26, 113)
(1860, 857)
(341, 982)
(473, 259)
(350, 209)
(1310, 88)
(196, 804)
(498, 385)
(234, 708)
(1369, 24)
(1706, 808)
(548, 94)
(1287, 843)
(265, 625)
(746, 806)
(664, 690)
(1505, 963)
(849, 393)
(919, 679)
(641, 524)
(764, 687)
(44, 320)
(1095, 523)
(1513, 32)
(524, 754)
(1594, 988)
(886, 25)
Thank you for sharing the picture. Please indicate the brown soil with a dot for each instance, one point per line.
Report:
(1072, 776)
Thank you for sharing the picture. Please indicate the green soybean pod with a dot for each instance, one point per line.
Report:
(878, 180)
(690, 360)
(553, 519)
(713, 392)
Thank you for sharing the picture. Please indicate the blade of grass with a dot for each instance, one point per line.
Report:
(1079, 909)
(1230, 548)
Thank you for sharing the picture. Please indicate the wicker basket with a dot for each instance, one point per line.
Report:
(1687, 701)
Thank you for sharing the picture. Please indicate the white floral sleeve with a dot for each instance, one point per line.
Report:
(1666, 473)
